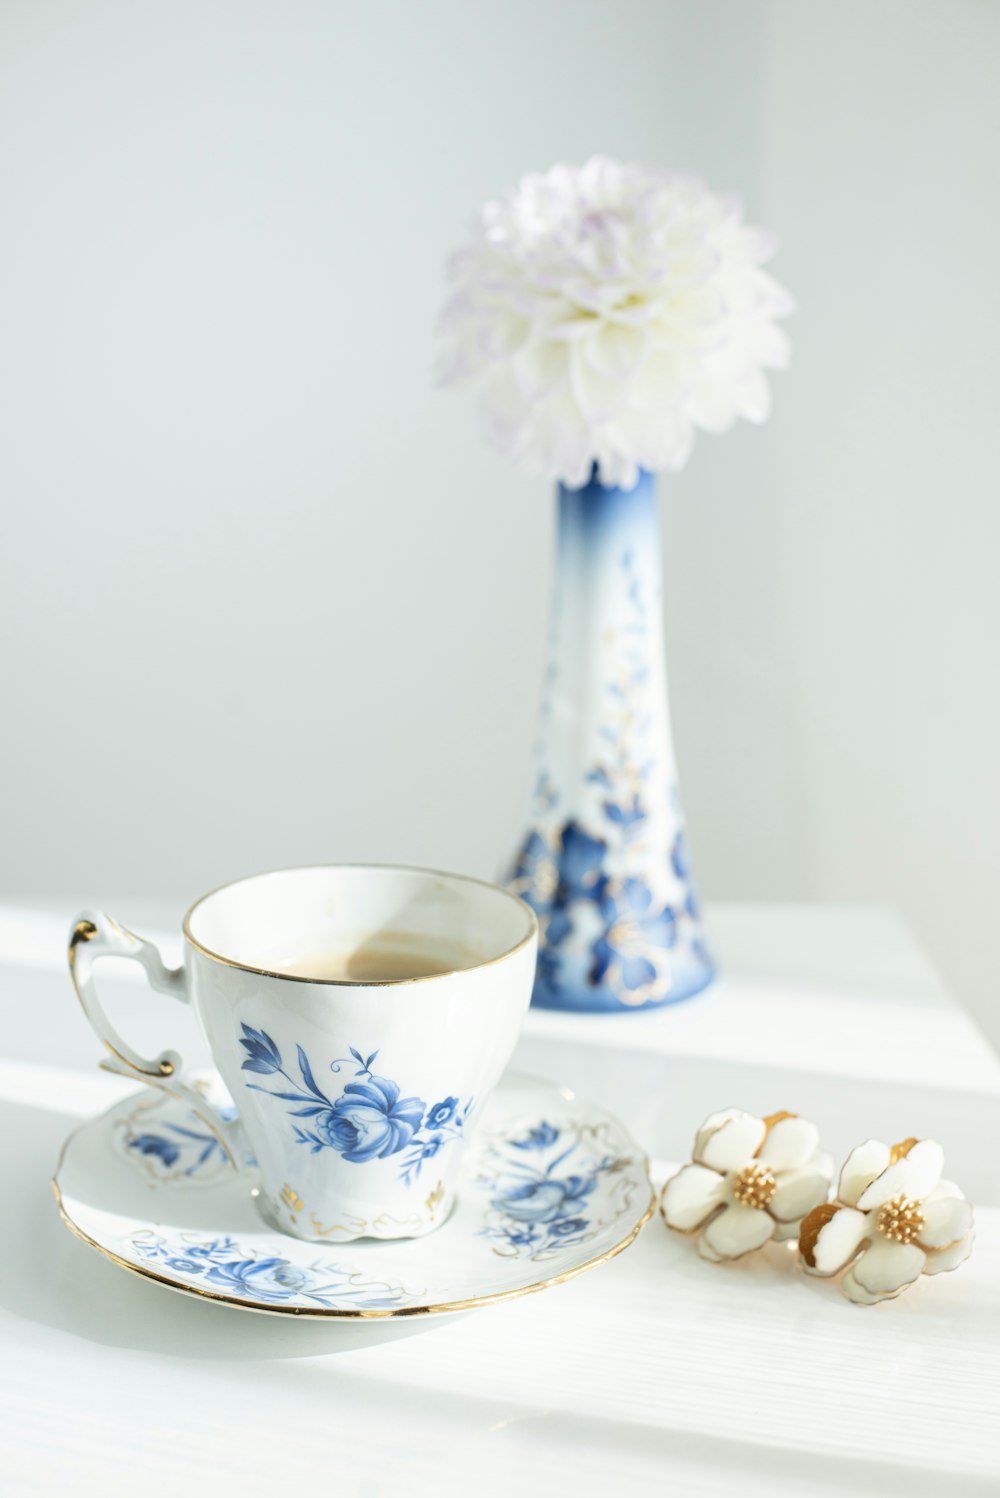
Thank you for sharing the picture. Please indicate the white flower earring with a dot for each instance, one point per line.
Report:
(894, 1219)
(751, 1180)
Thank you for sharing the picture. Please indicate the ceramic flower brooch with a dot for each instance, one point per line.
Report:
(756, 1180)
(894, 1219)
(751, 1180)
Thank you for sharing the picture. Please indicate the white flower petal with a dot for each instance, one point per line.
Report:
(603, 258)
(886, 1266)
(755, 398)
(558, 430)
(503, 336)
(771, 346)
(943, 1189)
(599, 396)
(712, 1123)
(789, 1144)
(913, 1176)
(738, 1230)
(939, 1260)
(857, 1292)
(860, 1169)
(691, 1195)
(577, 325)
(839, 1240)
(798, 1191)
(773, 296)
(539, 368)
(822, 1164)
(616, 351)
(660, 440)
(733, 1144)
(946, 1220)
(660, 385)
(713, 404)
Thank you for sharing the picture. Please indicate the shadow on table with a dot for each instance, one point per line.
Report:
(51, 1277)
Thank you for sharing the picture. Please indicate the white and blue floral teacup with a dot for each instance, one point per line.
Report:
(354, 1097)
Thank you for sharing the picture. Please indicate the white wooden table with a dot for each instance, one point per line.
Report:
(656, 1373)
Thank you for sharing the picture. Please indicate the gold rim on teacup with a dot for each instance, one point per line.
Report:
(401, 868)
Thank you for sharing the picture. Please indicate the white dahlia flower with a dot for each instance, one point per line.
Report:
(609, 310)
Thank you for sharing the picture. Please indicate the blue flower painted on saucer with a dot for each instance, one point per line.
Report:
(159, 1145)
(369, 1120)
(223, 1266)
(170, 1148)
(540, 1137)
(551, 1185)
(546, 1201)
(541, 1187)
(167, 1150)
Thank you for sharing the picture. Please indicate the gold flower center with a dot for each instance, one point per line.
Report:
(754, 1186)
(900, 1219)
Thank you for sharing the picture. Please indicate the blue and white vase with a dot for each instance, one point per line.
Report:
(604, 861)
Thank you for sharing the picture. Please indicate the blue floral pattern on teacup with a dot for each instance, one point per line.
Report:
(369, 1120)
(221, 1265)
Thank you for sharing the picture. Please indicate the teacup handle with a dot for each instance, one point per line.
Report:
(95, 935)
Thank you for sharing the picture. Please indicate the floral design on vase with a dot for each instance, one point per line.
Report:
(221, 1266)
(540, 1186)
(606, 313)
(368, 1120)
(604, 862)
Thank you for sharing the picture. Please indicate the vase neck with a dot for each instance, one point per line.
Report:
(608, 543)
(608, 516)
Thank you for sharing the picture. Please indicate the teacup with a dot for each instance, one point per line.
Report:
(356, 1096)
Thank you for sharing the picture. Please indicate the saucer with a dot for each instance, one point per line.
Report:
(551, 1186)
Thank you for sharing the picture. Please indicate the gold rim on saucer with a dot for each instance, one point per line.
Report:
(327, 1313)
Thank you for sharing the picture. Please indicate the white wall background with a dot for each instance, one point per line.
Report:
(266, 596)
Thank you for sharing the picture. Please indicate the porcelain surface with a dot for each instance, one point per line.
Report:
(604, 858)
(550, 1186)
(358, 1096)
